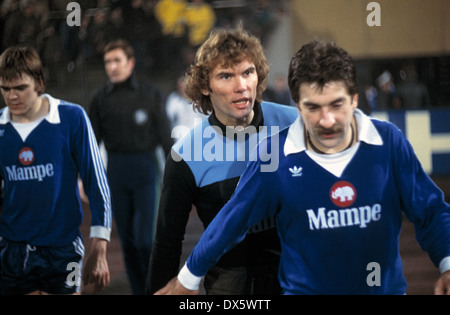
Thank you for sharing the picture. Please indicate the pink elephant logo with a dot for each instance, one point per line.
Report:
(26, 156)
(343, 194)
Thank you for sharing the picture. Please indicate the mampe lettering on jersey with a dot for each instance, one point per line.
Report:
(343, 194)
(28, 171)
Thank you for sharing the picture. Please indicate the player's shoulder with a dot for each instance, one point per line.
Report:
(274, 112)
(64, 111)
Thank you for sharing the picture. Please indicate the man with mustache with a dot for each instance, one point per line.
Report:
(338, 195)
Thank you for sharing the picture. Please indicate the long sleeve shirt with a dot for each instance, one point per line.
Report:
(130, 117)
(338, 216)
(40, 170)
(203, 169)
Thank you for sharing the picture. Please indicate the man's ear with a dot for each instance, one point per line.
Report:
(355, 101)
(206, 92)
(132, 62)
(40, 86)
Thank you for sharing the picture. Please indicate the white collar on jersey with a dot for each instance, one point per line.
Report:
(52, 116)
(295, 141)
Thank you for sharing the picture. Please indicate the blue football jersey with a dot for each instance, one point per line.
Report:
(41, 203)
(338, 218)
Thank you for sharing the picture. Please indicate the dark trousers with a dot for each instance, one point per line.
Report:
(133, 180)
(242, 280)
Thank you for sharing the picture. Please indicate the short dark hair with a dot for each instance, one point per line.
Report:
(320, 63)
(18, 60)
(120, 44)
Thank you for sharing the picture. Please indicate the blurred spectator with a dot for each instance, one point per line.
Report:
(22, 26)
(200, 19)
(51, 53)
(114, 28)
(367, 98)
(180, 112)
(170, 14)
(279, 92)
(412, 93)
(128, 115)
(97, 33)
(262, 17)
(387, 94)
(141, 27)
(155, 36)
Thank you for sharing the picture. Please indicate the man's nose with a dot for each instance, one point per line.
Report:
(327, 120)
(240, 84)
(12, 94)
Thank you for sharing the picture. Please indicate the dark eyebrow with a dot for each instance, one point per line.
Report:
(17, 87)
(251, 69)
(222, 73)
(310, 104)
(338, 100)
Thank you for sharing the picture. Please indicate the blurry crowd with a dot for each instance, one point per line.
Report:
(388, 92)
(164, 33)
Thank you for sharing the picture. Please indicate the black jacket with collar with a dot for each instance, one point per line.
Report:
(130, 117)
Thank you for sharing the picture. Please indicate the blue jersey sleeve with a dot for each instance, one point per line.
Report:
(93, 175)
(253, 200)
(423, 202)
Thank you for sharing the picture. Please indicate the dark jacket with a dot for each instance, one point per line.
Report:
(130, 117)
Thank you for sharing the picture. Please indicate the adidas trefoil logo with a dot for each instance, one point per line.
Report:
(296, 171)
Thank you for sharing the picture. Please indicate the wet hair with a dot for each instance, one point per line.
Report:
(19, 60)
(321, 63)
(120, 44)
(224, 47)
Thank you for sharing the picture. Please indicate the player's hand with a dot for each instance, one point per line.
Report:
(96, 269)
(174, 287)
(442, 286)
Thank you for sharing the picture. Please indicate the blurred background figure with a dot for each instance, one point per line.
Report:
(387, 94)
(170, 14)
(279, 92)
(128, 115)
(200, 19)
(23, 26)
(412, 93)
(180, 112)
